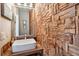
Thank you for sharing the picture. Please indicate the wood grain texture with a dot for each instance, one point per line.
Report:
(51, 21)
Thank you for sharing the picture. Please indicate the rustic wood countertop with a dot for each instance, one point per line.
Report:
(37, 50)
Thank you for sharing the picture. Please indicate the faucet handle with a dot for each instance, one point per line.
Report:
(25, 37)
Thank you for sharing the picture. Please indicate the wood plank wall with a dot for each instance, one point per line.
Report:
(55, 25)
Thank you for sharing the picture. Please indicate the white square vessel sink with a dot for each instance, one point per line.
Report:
(21, 45)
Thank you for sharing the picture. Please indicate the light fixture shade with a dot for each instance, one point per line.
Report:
(25, 4)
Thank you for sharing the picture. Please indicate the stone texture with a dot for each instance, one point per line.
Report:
(5, 31)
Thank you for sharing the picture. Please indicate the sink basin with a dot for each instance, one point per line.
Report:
(21, 45)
